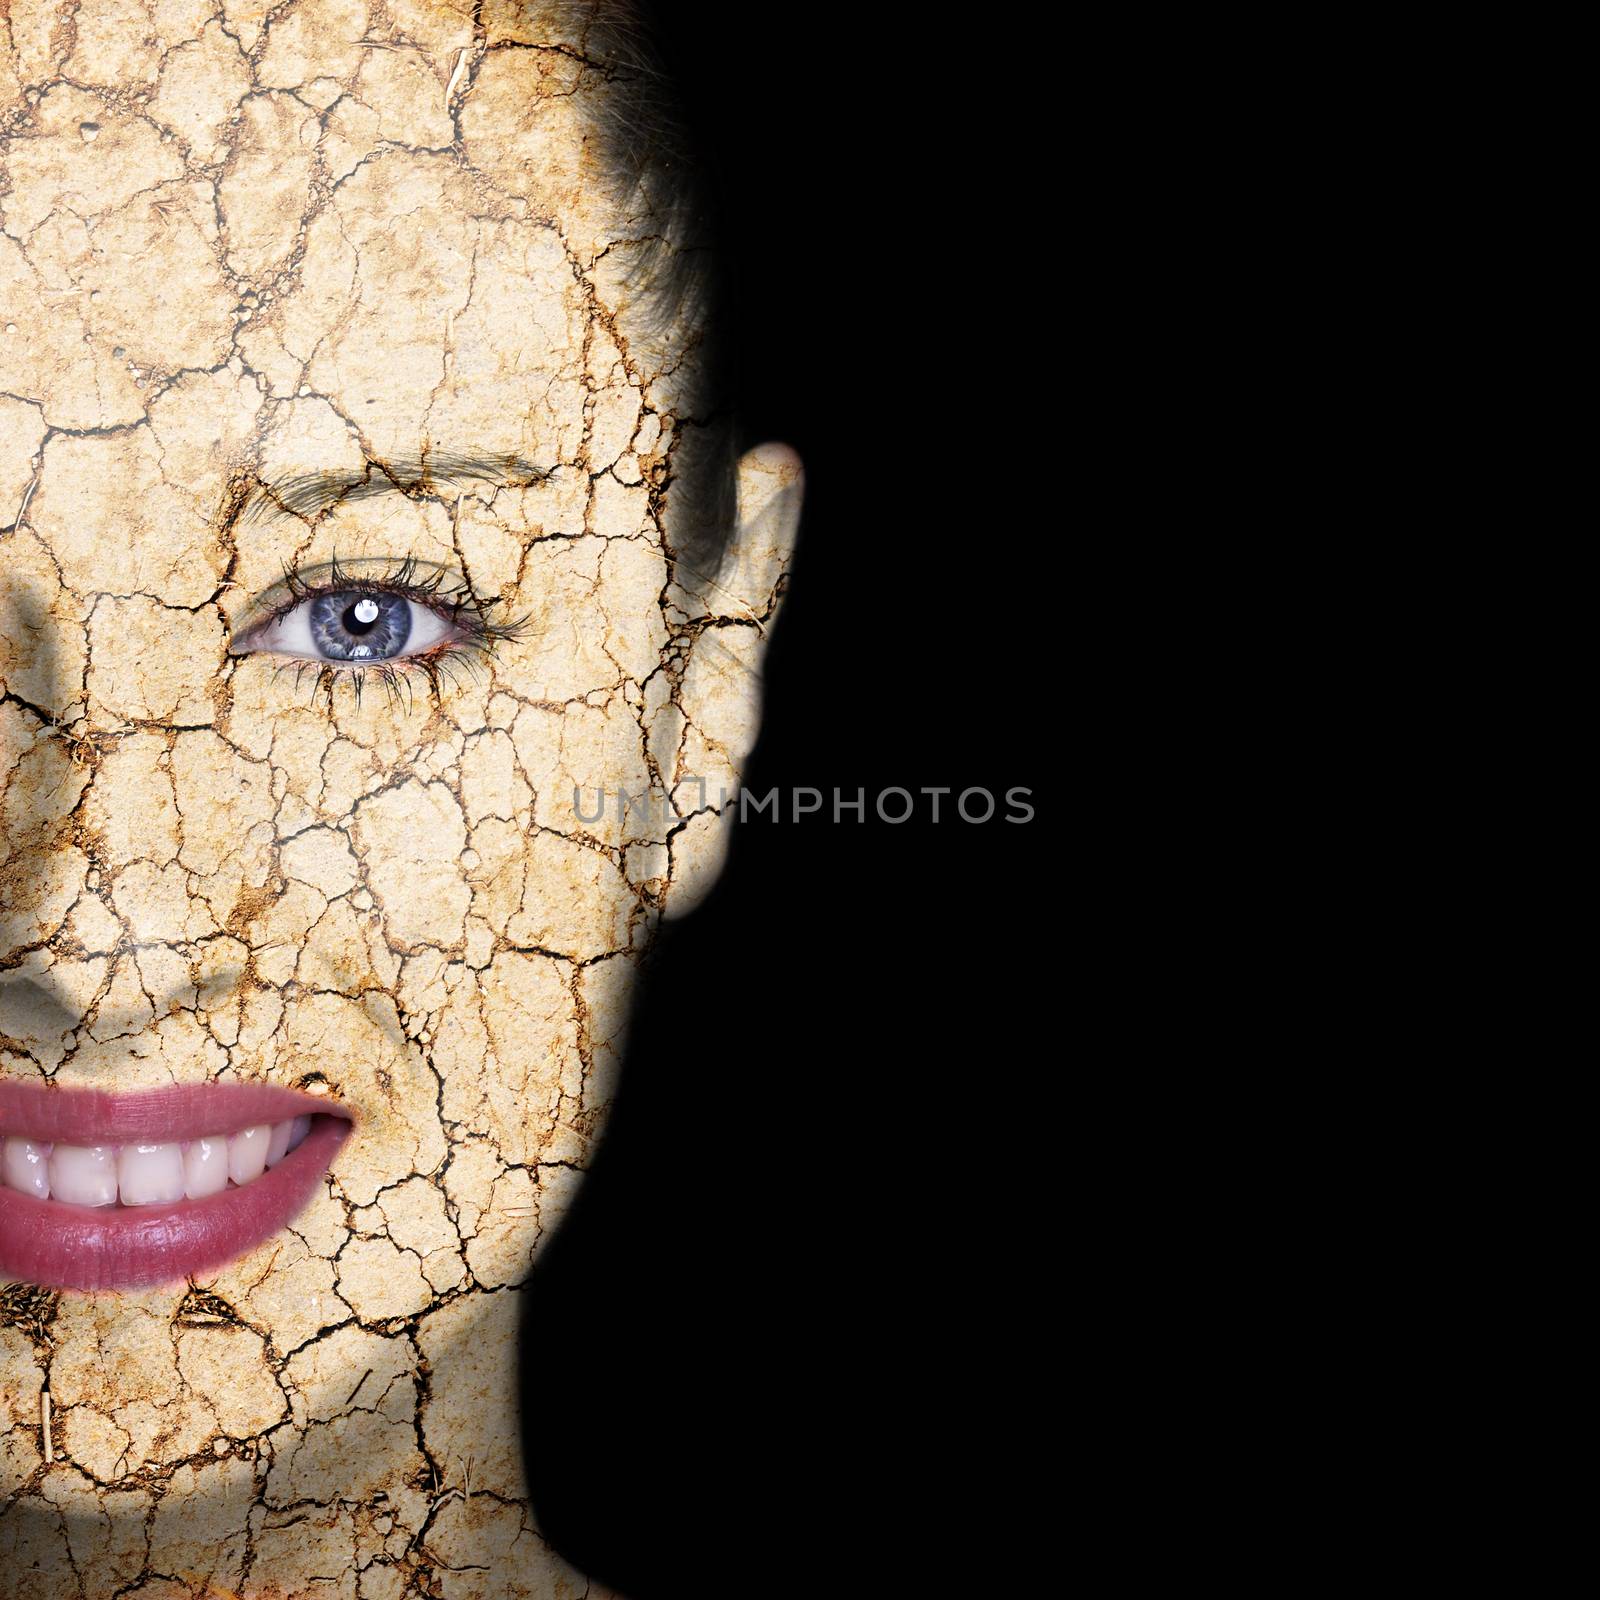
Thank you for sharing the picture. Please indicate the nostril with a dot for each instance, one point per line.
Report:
(49, 996)
(31, 1012)
(110, 992)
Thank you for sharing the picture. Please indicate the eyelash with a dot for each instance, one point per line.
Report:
(447, 662)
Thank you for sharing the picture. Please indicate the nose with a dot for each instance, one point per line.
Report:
(83, 920)
(42, 780)
(43, 646)
(95, 911)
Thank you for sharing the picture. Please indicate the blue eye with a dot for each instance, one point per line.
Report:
(352, 625)
(360, 627)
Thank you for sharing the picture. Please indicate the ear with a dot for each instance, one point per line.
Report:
(720, 691)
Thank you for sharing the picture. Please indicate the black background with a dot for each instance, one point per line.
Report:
(785, 1340)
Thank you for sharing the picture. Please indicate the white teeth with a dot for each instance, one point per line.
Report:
(26, 1166)
(84, 1175)
(150, 1174)
(146, 1174)
(205, 1167)
(278, 1144)
(247, 1153)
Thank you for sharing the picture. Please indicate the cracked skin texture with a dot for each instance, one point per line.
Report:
(240, 245)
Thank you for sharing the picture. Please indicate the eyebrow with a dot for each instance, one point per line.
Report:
(437, 476)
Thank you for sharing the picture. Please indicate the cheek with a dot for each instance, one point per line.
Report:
(407, 842)
(148, 662)
(428, 927)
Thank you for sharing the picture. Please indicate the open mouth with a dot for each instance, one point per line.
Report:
(112, 1191)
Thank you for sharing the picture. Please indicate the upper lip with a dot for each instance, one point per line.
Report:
(49, 1113)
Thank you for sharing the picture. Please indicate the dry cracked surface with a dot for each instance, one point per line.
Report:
(278, 285)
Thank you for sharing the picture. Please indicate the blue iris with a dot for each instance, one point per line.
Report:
(360, 627)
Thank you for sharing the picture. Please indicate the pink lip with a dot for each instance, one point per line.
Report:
(115, 1247)
(181, 1111)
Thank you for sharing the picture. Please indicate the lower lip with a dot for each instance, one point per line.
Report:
(63, 1246)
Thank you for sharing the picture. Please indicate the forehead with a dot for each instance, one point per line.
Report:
(217, 216)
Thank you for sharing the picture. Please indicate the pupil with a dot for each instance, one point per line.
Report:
(361, 618)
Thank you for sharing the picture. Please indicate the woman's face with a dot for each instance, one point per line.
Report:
(268, 299)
